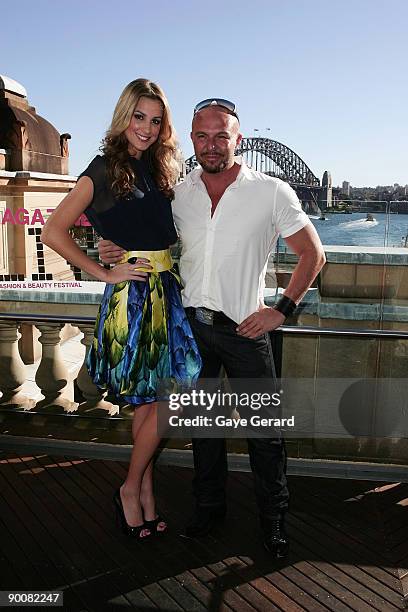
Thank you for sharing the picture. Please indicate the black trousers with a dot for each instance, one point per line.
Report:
(241, 357)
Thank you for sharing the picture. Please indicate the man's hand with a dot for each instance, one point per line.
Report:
(258, 323)
(109, 252)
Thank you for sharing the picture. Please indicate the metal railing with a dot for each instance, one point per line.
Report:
(285, 329)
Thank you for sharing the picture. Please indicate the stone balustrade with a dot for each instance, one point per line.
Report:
(313, 357)
(48, 312)
(52, 378)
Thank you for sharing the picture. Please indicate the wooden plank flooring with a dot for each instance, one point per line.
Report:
(349, 543)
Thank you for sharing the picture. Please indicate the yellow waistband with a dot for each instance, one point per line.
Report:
(160, 261)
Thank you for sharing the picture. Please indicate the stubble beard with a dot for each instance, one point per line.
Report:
(213, 168)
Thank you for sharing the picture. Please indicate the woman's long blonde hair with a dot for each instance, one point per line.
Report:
(160, 156)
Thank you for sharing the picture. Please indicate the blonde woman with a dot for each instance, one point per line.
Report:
(142, 335)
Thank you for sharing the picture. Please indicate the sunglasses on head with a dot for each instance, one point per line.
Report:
(216, 102)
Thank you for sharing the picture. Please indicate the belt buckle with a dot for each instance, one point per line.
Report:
(204, 315)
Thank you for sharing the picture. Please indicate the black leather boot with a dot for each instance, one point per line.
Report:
(204, 520)
(275, 538)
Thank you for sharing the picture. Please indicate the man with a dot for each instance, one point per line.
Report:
(229, 218)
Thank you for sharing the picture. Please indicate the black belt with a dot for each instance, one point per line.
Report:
(209, 317)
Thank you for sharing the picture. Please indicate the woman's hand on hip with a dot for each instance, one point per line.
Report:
(127, 272)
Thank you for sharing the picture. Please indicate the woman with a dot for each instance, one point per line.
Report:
(142, 335)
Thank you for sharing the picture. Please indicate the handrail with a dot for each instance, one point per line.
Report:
(286, 329)
(45, 318)
(328, 331)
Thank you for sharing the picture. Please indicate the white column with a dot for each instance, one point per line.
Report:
(52, 375)
(12, 368)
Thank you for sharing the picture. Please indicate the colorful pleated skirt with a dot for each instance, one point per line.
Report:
(143, 346)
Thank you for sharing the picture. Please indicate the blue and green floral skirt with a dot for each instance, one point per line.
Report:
(143, 340)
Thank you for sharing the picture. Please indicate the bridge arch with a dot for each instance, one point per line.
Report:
(274, 158)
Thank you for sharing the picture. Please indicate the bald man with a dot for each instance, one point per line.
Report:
(229, 218)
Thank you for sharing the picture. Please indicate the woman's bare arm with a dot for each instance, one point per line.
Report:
(56, 235)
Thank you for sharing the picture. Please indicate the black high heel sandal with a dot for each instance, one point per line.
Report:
(133, 532)
(152, 526)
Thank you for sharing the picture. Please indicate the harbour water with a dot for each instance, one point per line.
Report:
(354, 230)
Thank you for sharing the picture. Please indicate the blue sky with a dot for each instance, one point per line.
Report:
(327, 77)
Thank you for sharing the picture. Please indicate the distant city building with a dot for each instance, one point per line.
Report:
(182, 164)
(345, 188)
(326, 192)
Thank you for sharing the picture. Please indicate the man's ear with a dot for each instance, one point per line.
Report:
(239, 138)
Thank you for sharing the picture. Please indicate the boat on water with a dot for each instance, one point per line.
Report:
(323, 217)
(370, 217)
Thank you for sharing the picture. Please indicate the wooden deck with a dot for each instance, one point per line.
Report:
(349, 543)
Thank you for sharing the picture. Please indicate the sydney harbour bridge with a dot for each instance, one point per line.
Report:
(276, 159)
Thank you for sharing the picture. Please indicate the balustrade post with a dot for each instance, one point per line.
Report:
(94, 398)
(52, 375)
(12, 368)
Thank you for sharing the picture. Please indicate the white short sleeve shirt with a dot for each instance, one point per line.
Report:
(224, 257)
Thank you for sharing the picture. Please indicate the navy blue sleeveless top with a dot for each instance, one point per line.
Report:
(141, 220)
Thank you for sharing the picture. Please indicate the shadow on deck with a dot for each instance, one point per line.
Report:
(349, 543)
